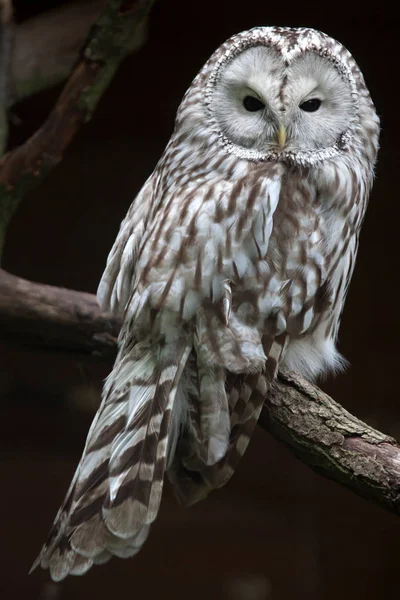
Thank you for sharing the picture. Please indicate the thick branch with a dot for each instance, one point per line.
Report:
(332, 442)
(317, 429)
(111, 38)
(47, 46)
(37, 315)
(6, 45)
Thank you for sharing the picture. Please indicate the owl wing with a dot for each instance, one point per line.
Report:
(209, 236)
(168, 274)
(225, 242)
(115, 286)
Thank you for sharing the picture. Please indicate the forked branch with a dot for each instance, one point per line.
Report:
(110, 40)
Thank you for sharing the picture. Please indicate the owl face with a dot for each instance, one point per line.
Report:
(262, 102)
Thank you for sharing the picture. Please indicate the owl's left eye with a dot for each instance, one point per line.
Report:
(311, 105)
(253, 104)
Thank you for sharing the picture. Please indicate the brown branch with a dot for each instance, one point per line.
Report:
(47, 46)
(42, 316)
(22, 169)
(318, 430)
(6, 47)
(333, 442)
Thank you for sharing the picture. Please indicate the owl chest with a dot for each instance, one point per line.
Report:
(288, 279)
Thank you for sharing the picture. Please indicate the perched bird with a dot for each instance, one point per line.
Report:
(233, 260)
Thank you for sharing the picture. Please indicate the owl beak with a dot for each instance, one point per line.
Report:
(281, 136)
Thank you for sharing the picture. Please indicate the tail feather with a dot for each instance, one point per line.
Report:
(208, 419)
(116, 491)
(81, 565)
(199, 395)
(193, 482)
(223, 344)
(246, 394)
(139, 454)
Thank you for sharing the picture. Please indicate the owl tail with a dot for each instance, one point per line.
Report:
(192, 479)
(116, 491)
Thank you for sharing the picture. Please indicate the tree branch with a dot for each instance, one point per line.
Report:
(318, 430)
(47, 46)
(110, 39)
(43, 316)
(333, 442)
(6, 46)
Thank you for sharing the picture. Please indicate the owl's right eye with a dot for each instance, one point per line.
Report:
(253, 104)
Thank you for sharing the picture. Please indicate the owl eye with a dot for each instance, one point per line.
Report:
(253, 104)
(311, 105)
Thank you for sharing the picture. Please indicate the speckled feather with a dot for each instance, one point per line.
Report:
(230, 262)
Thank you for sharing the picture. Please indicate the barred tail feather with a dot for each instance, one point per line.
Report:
(116, 491)
(208, 418)
(246, 394)
(193, 482)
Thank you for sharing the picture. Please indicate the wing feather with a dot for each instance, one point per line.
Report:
(116, 491)
(169, 273)
(115, 286)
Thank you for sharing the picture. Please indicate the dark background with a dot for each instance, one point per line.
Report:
(277, 531)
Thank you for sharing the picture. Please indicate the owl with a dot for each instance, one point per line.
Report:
(234, 260)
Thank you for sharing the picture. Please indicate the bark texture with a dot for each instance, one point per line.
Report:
(332, 441)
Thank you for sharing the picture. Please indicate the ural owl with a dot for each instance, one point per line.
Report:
(233, 260)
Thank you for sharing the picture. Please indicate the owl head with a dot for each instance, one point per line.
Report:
(292, 95)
